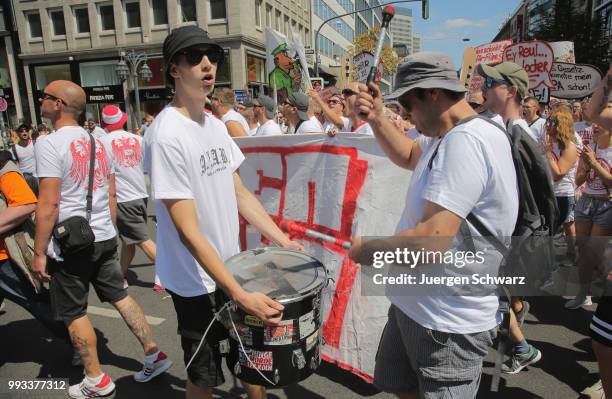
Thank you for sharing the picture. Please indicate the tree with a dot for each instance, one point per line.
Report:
(367, 42)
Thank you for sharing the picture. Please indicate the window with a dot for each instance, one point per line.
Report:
(132, 14)
(217, 9)
(107, 17)
(57, 22)
(188, 11)
(160, 12)
(2, 20)
(286, 26)
(81, 17)
(307, 42)
(34, 26)
(99, 73)
(49, 73)
(277, 23)
(256, 69)
(258, 13)
(268, 15)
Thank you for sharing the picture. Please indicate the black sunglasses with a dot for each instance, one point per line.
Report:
(47, 96)
(490, 82)
(348, 92)
(194, 56)
(475, 105)
(552, 122)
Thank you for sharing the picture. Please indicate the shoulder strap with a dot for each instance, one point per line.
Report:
(9, 166)
(92, 165)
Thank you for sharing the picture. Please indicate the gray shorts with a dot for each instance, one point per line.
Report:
(132, 221)
(594, 210)
(438, 364)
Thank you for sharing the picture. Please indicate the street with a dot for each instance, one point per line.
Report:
(27, 351)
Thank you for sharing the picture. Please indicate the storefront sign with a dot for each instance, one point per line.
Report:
(104, 94)
(160, 94)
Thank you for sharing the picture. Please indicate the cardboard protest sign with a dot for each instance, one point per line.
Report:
(490, 53)
(363, 62)
(574, 80)
(469, 62)
(536, 58)
(564, 51)
(541, 93)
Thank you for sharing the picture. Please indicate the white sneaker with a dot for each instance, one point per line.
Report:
(152, 370)
(85, 390)
(595, 391)
(125, 284)
(578, 302)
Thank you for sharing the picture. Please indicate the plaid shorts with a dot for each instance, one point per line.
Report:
(438, 364)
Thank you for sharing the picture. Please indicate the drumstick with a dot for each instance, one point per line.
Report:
(289, 225)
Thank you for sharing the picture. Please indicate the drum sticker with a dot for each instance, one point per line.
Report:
(307, 324)
(245, 334)
(312, 340)
(262, 360)
(279, 335)
(252, 321)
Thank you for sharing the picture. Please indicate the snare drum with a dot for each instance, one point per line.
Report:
(289, 352)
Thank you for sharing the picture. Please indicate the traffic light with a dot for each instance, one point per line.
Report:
(425, 9)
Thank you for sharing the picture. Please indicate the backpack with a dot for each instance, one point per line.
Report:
(19, 242)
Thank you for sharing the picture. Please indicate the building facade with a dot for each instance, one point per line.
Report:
(402, 30)
(83, 41)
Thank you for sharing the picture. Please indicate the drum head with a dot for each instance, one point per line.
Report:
(277, 272)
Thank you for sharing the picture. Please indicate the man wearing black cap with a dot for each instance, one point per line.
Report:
(460, 166)
(197, 194)
(263, 107)
(296, 110)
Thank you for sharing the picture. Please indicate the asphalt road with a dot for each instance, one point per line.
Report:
(27, 350)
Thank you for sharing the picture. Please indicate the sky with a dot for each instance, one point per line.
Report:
(452, 20)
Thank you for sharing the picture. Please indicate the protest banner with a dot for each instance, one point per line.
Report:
(574, 80)
(541, 93)
(536, 58)
(490, 53)
(467, 68)
(285, 72)
(563, 51)
(363, 62)
(342, 187)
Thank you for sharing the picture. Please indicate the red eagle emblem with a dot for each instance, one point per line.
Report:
(79, 170)
(126, 151)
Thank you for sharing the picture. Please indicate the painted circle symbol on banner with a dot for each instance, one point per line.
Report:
(3, 104)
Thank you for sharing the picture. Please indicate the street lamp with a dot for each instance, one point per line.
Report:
(425, 15)
(127, 68)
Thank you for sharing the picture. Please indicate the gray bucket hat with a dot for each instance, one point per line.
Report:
(300, 101)
(267, 103)
(425, 70)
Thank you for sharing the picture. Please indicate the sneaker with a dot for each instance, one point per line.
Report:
(125, 284)
(158, 288)
(2, 305)
(519, 361)
(578, 302)
(152, 370)
(595, 391)
(87, 390)
(520, 316)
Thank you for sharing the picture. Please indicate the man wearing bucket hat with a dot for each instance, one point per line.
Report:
(461, 164)
(263, 107)
(296, 109)
(198, 195)
(130, 187)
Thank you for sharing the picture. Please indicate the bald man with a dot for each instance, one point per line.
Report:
(63, 165)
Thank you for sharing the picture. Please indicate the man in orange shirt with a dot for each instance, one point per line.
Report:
(14, 284)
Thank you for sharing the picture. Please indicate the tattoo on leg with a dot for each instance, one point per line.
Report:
(135, 319)
(80, 344)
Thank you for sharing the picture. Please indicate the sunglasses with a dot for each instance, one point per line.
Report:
(334, 102)
(490, 82)
(552, 122)
(475, 105)
(348, 92)
(257, 106)
(22, 130)
(47, 96)
(194, 56)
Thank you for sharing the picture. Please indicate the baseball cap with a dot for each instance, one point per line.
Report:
(267, 103)
(300, 101)
(113, 118)
(508, 71)
(425, 70)
(248, 103)
(184, 37)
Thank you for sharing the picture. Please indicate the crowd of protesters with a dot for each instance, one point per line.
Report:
(462, 169)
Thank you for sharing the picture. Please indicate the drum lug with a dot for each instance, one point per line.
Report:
(276, 376)
(298, 360)
(224, 347)
(237, 369)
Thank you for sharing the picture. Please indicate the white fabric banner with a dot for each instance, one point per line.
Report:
(342, 187)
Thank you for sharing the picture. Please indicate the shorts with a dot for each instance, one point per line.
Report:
(439, 364)
(594, 210)
(132, 221)
(194, 314)
(69, 288)
(566, 207)
(601, 323)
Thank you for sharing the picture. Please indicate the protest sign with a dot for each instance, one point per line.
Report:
(574, 80)
(540, 93)
(536, 58)
(563, 51)
(291, 177)
(363, 62)
(490, 53)
(469, 62)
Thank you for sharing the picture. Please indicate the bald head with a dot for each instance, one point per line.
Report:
(73, 95)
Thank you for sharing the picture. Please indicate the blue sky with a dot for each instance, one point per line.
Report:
(452, 20)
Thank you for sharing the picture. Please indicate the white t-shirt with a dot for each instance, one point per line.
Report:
(187, 160)
(126, 149)
(566, 186)
(327, 126)
(98, 132)
(65, 155)
(270, 128)
(472, 172)
(585, 131)
(537, 130)
(594, 185)
(363, 128)
(232, 115)
(312, 125)
(253, 131)
(26, 158)
(413, 133)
